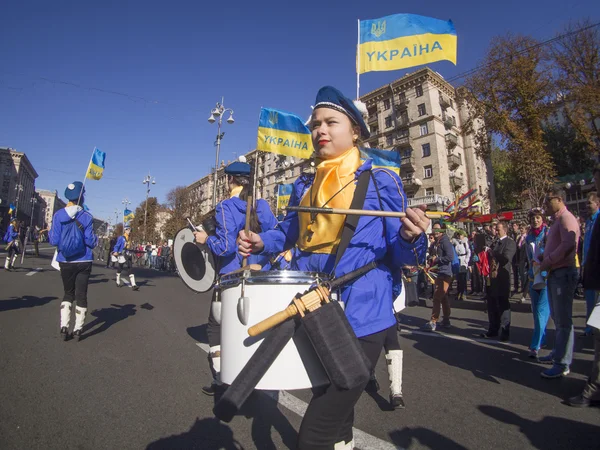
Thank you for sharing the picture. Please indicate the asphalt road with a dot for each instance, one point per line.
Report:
(134, 381)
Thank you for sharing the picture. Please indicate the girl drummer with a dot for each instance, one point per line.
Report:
(230, 216)
(336, 126)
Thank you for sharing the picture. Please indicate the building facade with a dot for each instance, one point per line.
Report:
(53, 204)
(419, 117)
(17, 184)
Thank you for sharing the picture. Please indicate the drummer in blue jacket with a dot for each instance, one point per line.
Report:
(337, 127)
(12, 239)
(230, 215)
(74, 256)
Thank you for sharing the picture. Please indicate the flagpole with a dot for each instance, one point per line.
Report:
(358, 63)
(85, 176)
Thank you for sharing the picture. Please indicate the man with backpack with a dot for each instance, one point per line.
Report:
(72, 233)
(502, 255)
(443, 257)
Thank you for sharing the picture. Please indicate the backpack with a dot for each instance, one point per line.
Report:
(72, 240)
(455, 262)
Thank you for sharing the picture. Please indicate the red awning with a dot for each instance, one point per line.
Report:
(490, 217)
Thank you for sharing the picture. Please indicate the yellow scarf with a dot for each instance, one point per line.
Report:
(235, 192)
(324, 233)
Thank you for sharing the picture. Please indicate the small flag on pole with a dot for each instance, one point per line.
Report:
(11, 208)
(96, 167)
(128, 215)
(386, 159)
(283, 133)
(284, 193)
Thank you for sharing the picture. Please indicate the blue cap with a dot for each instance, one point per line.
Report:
(74, 191)
(238, 169)
(330, 97)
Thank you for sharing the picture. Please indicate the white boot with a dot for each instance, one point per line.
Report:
(12, 263)
(79, 321)
(65, 314)
(394, 361)
(215, 386)
(7, 263)
(343, 445)
(134, 286)
(119, 280)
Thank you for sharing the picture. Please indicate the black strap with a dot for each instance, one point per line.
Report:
(358, 201)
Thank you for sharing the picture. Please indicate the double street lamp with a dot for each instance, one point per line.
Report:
(125, 204)
(570, 185)
(217, 113)
(147, 181)
(18, 190)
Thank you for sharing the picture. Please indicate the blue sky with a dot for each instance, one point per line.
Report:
(175, 60)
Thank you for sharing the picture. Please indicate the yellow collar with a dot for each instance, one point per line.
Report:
(235, 192)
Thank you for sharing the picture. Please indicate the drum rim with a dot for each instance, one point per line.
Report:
(271, 277)
(177, 257)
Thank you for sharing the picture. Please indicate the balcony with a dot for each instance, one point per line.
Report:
(409, 182)
(451, 141)
(401, 103)
(402, 122)
(448, 123)
(402, 141)
(454, 161)
(407, 162)
(457, 180)
(445, 101)
(435, 199)
(373, 118)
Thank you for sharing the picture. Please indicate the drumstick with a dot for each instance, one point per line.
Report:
(362, 212)
(247, 227)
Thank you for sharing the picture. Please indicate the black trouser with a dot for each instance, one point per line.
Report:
(330, 414)
(391, 340)
(75, 278)
(36, 247)
(213, 329)
(515, 271)
(496, 305)
(476, 279)
(121, 266)
(461, 280)
(412, 296)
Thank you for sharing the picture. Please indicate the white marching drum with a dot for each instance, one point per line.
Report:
(264, 294)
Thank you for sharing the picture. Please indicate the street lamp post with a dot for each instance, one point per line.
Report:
(33, 202)
(218, 112)
(18, 190)
(116, 217)
(147, 181)
(569, 186)
(125, 203)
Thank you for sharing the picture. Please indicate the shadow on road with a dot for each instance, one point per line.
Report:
(27, 301)
(105, 318)
(199, 333)
(205, 434)
(267, 416)
(550, 432)
(427, 438)
(101, 280)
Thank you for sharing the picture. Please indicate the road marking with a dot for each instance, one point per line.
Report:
(437, 334)
(33, 272)
(362, 440)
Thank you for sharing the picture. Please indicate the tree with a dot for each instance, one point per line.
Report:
(576, 57)
(569, 152)
(506, 181)
(509, 94)
(181, 206)
(137, 224)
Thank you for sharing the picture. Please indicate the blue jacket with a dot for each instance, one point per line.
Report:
(444, 252)
(368, 299)
(540, 241)
(11, 234)
(85, 219)
(230, 216)
(120, 245)
(589, 226)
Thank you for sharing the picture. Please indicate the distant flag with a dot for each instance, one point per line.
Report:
(283, 133)
(96, 167)
(284, 192)
(385, 159)
(128, 215)
(11, 208)
(404, 40)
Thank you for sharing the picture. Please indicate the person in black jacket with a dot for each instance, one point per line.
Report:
(442, 252)
(503, 252)
(591, 391)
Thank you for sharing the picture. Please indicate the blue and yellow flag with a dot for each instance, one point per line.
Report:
(386, 159)
(283, 133)
(11, 208)
(96, 167)
(404, 40)
(128, 215)
(284, 191)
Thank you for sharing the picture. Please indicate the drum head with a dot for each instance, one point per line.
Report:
(195, 262)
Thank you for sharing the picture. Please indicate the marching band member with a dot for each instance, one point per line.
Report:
(11, 237)
(230, 215)
(336, 126)
(118, 256)
(72, 233)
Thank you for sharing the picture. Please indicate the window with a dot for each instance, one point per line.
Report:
(402, 97)
(388, 121)
(419, 91)
(389, 140)
(404, 118)
(427, 172)
(426, 150)
(422, 110)
(453, 120)
(403, 133)
(424, 129)
(386, 104)
(406, 153)
(429, 191)
(479, 172)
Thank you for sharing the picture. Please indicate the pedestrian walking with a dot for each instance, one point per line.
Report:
(72, 233)
(13, 245)
(119, 256)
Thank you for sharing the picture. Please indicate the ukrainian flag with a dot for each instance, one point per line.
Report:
(284, 192)
(386, 159)
(128, 215)
(404, 40)
(283, 133)
(96, 167)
